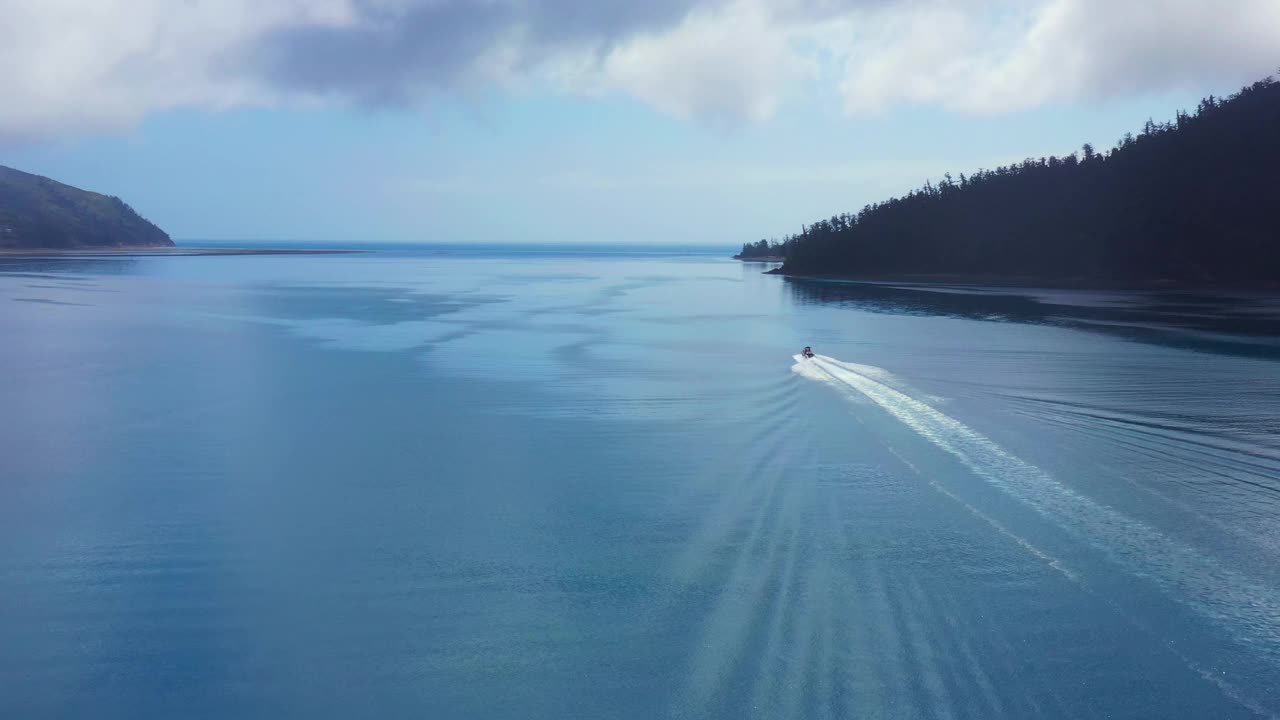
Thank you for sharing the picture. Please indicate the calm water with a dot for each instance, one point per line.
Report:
(487, 484)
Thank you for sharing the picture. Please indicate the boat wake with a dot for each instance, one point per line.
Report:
(1248, 610)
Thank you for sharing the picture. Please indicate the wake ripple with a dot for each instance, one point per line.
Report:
(1249, 611)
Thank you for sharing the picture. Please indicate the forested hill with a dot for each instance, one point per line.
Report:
(36, 212)
(1192, 202)
(763, 250)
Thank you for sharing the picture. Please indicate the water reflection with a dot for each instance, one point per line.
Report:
(1236, 324)
(58, 268)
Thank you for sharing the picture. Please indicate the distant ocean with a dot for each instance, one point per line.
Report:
(508, 250)
(561, 481)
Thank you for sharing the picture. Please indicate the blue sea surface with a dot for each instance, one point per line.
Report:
(595, 482)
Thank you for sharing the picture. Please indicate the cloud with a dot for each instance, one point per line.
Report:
(70, 66)
(67, 66)
(397, 51)
(726, 66)
(1001, 56)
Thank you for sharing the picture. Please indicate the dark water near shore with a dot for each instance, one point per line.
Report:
(496, 483)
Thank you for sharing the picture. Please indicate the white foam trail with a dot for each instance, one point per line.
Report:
(808, 368)
(999, 527)
(1215, 678)
(1248, 610)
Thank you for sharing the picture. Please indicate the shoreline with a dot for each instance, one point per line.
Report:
(1029, 283)
(49, 253)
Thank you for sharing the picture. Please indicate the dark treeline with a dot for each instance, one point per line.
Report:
(1195, 201)
(763, 249)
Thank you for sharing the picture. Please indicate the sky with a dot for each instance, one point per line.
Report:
(666, 121)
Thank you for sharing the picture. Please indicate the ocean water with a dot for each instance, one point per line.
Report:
(597, 483)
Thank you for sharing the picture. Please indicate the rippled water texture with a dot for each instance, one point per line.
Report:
(484, 483)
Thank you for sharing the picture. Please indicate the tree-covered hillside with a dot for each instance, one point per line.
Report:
(36, 212)
(1194, 201)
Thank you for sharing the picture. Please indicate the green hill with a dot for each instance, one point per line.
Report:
(36, 212)
(1186, 203)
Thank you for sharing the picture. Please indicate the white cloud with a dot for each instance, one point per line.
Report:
(997, 56)
(728, 65)
(66, 66)
(69, 66)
